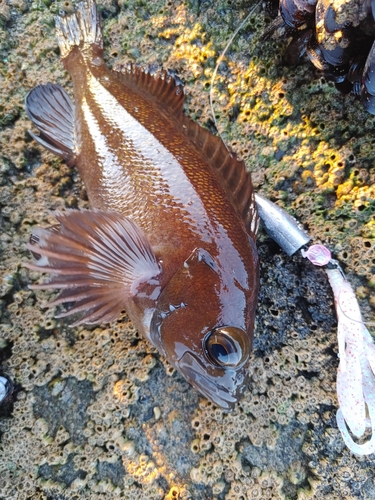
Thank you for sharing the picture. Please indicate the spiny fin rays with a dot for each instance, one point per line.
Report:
(97, 258)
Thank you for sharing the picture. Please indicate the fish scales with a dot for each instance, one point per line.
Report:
(155, 176)
(171, 233)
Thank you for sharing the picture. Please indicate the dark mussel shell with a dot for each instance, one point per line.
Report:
(355, 73)
(368, 82)
(297, 47)
(335, 73)
(296, 12)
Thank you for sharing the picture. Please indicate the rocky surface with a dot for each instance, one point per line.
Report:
(97, 412)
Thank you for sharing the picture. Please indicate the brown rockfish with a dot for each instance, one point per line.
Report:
(171, 234)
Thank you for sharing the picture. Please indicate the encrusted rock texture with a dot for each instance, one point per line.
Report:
(98, 414)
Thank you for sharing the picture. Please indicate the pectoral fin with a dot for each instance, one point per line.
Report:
(51, 110)
(97, 258)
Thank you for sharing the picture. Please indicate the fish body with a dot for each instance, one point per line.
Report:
(171, 237)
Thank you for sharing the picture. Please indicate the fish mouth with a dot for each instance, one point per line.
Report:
(223, 389)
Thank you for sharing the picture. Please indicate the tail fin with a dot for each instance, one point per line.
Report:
(82, 28)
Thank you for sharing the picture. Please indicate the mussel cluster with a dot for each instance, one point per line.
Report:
(338, 37)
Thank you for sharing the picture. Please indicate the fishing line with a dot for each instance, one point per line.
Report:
(366, 323)
(221, 57)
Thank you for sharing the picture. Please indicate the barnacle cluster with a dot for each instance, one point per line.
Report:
(338, 37)
(99, 415)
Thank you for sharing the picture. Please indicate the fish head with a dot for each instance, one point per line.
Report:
(208, 342)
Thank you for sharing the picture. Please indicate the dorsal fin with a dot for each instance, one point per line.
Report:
(168, 91)
(232, 172)
(162, 85)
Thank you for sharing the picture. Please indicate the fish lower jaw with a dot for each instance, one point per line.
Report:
(213, 388)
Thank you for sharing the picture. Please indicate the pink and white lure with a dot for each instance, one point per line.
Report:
(356, 373)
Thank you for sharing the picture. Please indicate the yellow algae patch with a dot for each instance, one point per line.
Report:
(329, 166)
(180, 18)
(191, 48)
(177, 493)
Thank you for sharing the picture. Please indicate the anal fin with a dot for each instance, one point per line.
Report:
(97, 259)
(51, 110)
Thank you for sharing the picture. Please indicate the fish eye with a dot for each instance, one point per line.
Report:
(227, 346)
